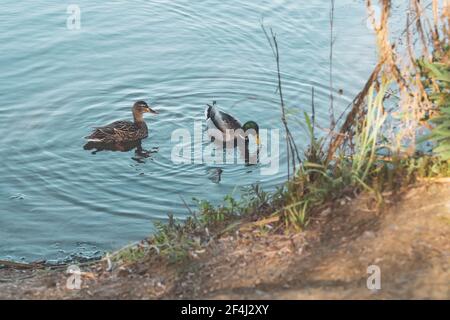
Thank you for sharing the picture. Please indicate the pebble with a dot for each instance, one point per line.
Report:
(369, 234)
(259, 292)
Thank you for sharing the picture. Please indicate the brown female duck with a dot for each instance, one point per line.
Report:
(124, 131)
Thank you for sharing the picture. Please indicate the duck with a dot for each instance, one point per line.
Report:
(124, 131)
(216, 119)
(227, 125)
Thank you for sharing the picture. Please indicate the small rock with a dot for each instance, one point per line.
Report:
(369, 234)
(259, 292)
(193, 255)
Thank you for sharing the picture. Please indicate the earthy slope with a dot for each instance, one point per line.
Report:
(409, 239)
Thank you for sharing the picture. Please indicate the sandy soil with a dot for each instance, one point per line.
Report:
(408, 239)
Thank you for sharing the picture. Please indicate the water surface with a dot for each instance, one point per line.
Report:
(58, 200)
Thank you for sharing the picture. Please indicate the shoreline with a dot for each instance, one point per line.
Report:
(407, 238)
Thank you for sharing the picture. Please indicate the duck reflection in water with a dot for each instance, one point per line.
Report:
(215, 174)
(139, 153)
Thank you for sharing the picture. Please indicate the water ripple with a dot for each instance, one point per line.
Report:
(59, 200)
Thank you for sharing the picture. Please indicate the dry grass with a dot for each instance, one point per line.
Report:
(425, 37)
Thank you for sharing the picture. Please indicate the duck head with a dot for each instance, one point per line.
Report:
(254, 129)
(139, 108)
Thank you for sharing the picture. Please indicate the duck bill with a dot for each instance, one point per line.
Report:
(150, 110)
(258, 142)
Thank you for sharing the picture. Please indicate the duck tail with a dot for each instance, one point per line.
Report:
(208, 110)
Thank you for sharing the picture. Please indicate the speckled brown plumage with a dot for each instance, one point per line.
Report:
(123, 131)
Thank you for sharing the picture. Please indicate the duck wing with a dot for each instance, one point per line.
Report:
(220, 120)
(115, 130)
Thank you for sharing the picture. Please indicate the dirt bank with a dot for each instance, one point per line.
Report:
(408, 239)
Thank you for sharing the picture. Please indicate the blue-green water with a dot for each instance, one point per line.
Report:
(58, 200)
